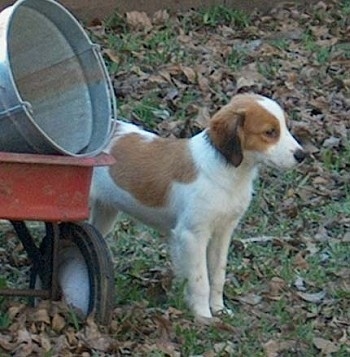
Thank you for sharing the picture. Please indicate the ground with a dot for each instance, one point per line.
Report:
(288, 276)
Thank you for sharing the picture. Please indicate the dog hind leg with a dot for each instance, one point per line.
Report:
(103, 217)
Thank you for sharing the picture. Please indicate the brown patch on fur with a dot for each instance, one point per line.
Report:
(243, 125)
(146, 169)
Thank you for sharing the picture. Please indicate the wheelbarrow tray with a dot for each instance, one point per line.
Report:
(46, 187)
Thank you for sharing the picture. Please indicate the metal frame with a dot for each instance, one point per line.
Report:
(40, 262)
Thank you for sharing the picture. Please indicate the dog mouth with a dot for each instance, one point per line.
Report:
(280, 165)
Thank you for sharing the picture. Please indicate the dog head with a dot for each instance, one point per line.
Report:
(254, 127)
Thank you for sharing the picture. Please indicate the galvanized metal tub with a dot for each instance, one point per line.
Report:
(55, 93)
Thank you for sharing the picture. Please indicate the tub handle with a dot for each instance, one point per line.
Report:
(26, 106)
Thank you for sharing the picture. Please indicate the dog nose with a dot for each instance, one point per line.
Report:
(299, 155)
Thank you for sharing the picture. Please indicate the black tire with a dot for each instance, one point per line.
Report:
(85, 271)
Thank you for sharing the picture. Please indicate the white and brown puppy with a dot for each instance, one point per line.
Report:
(195, 189)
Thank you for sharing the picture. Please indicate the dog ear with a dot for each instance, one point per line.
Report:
(226, 134)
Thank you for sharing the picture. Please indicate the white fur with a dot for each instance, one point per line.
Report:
(200, 216)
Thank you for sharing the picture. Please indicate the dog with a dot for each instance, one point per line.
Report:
(195, 190)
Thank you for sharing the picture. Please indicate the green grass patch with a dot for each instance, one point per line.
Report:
(237, 59)
(221, 15)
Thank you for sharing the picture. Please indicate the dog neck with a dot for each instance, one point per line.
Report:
(210, 160)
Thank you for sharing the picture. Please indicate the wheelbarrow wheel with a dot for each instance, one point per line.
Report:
(84, 271)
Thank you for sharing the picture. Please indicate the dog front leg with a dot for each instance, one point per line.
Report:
(190, 262)
(217, 261)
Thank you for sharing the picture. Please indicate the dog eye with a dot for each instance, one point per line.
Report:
(271, 133)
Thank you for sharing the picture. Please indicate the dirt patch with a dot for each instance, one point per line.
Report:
(87, 10)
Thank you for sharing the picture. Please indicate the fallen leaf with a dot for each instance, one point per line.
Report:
(160, 17)
(250, 299)
(202, 118)
(250, 76)
(94, 339)
(6, 342)
(331, 142)
(312, 297)
(40, 315)
(203, 83)
(225, 347)
(14, 310)
(299, 283)
(161, 113)
(25, 343)
(346, 237)
(273, 348)
(326, 346)
(276, 287)
(44, 342)
(112, 55)
(344, 273)
(189, 73)
(58, 322)
(300, 262)
(138, 20)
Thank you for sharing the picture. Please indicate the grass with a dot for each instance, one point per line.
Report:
(219, 15)
(334, 162)
(319, 52)
(237, 59)
(4, 317)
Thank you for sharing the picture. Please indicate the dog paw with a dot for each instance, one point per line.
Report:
(223, 312)
(207, 321)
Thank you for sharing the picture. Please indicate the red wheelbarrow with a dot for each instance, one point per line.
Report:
(72, 262)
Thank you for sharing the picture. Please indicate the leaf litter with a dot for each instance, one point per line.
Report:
(187, 65)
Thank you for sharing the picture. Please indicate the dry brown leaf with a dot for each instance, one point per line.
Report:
(327, 347)
(190, 73)
(43, 341)
(94, 339)
(40, 315)
(160, 17)
(15, 309)
(249, 76)
(203, 117)
(138, 20)
(71, 336)
(58, 322)
(276, 287)
(300, 262)
(273, 348)
(6, 342)
(344, 273)
(61, 347)
(165, 74)
(224, 348)
(112, 55)
(203, 83)
(250, 299)
(157, 79)
(25, 344)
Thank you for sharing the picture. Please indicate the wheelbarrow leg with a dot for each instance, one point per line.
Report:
(53, 231)
(44, 260)
(32, 250)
